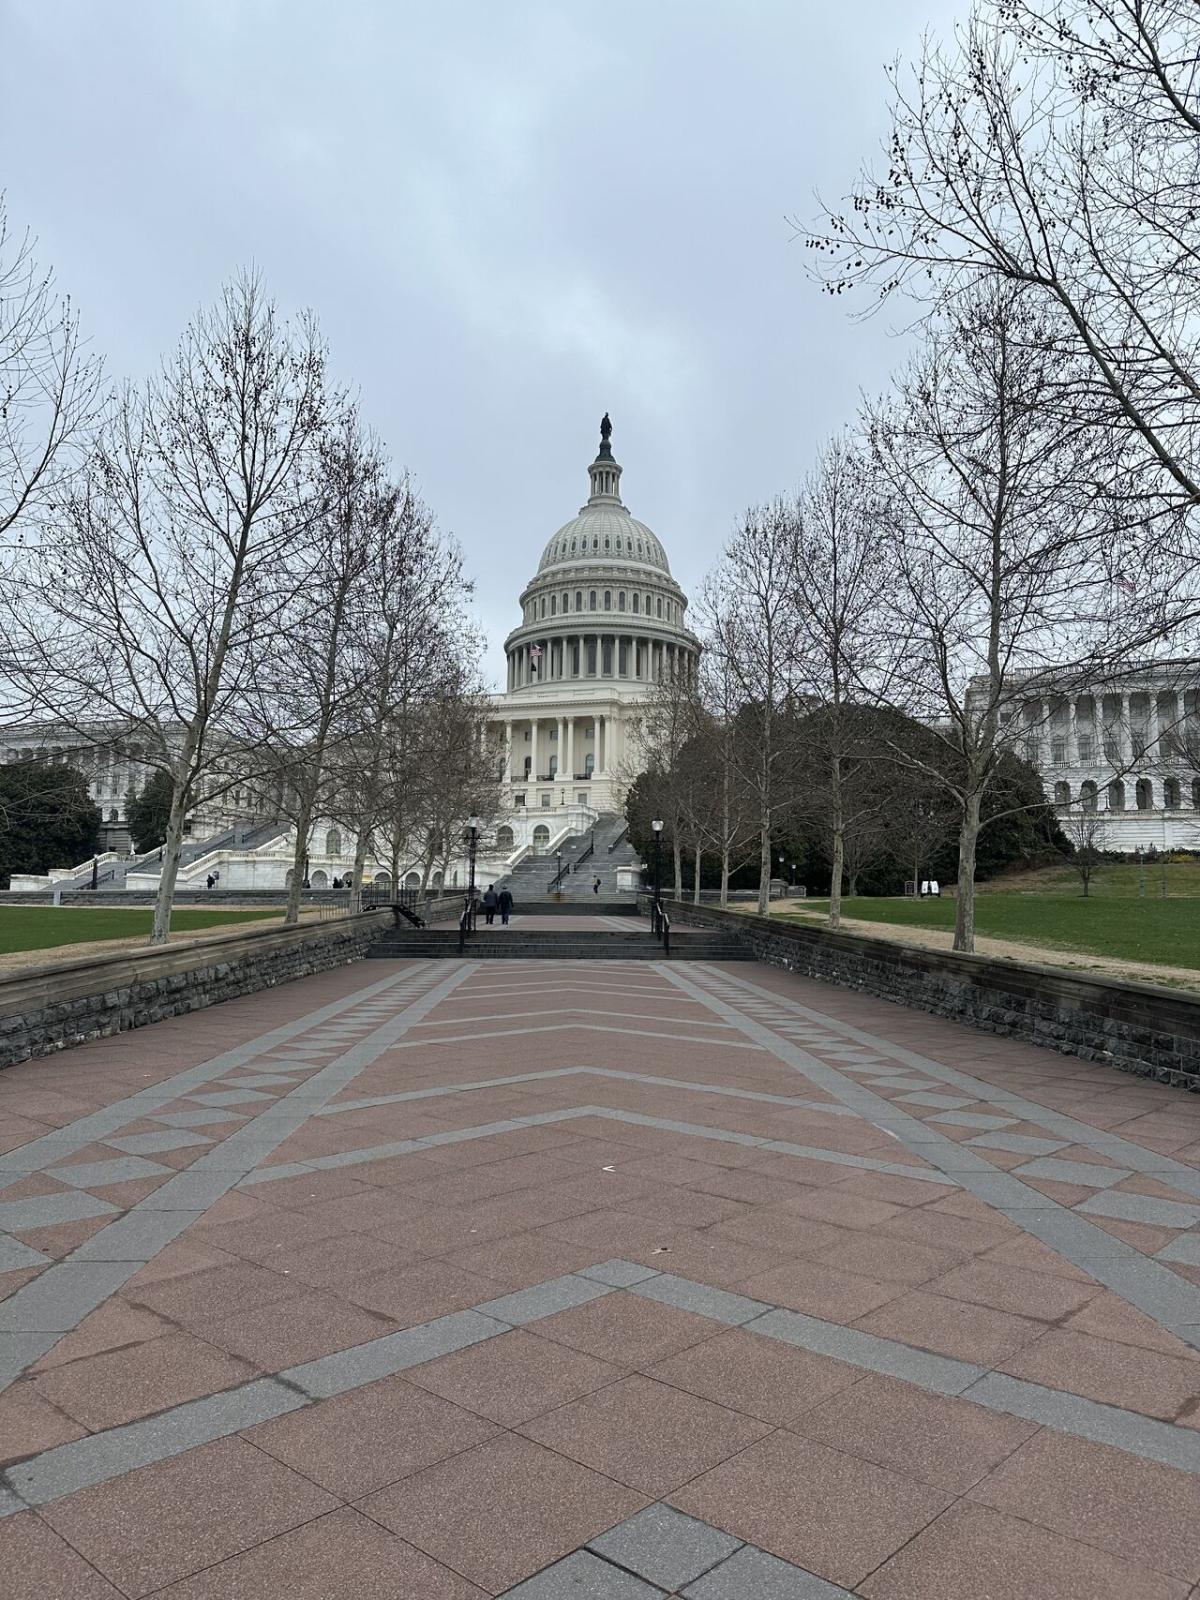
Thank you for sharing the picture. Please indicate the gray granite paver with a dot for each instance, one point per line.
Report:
(93, 1175)
(665, 1546)
(18, 1216)
(543, 1299)
(151, 1144)
(583, 1576)
(752, 1574)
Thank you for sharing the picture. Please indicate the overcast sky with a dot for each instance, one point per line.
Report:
(509, 219)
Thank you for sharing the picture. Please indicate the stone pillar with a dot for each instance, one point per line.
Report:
(561, 752)
(601, 747)
(508, 751)
(1125, 734)
(571, 749)
(533, 749)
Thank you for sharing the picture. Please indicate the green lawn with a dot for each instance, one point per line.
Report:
(1163, 931)
(1120, 879)
(43, 927)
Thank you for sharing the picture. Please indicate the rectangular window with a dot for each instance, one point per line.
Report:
(519, 800)
(1086, 748)
(591, 659)
(544, 797)
(582, 798)
(590, 731)
(1058, 752)
(554, 734)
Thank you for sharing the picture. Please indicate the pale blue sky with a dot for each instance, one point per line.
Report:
(509, 219)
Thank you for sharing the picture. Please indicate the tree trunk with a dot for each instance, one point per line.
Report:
(678, 865)
(853, 885)
(172, 846)
(362, 840)
(764, 864)
(696, 885)
(299, 851)
(838, 822)
(724, 877)
(964, 905)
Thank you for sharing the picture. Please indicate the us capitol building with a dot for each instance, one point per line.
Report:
(602, 620)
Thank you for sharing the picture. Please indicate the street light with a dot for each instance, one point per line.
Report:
(474, 824)
(658, 828)
(558, 861)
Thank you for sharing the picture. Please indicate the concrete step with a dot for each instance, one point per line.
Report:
(548, 944)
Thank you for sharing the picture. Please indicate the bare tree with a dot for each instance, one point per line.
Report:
(1086, 831)
(159, 588)
(1054, 144)
(750, 621)
(733, 816)
(665, 721)
(50, 390)
(999, 537)
(841, 579)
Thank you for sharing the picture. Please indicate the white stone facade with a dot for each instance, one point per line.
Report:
(602, 621)
(1126, 751)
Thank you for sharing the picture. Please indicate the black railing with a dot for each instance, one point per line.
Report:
(620, 839)
(466, 925)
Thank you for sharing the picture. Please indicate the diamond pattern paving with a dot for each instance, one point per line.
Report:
(572, 1279)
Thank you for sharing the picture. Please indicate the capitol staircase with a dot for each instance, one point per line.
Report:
(581, 858)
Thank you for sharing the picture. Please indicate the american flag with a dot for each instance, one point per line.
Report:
(1125, 582)
(536, 655)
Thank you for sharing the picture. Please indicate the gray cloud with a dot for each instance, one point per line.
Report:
(509, 219)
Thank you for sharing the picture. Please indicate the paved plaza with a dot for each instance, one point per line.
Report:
(594, 1281)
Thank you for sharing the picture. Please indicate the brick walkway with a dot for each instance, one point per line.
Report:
(608, 1281)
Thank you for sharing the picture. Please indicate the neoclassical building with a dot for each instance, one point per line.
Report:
(1127, 750)
(602, 621)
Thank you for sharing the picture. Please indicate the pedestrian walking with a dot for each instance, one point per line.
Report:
(505, 901)
(490, 901)
(596, 887)
(210, 881)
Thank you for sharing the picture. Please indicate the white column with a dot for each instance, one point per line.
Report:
(1125, 737)
(508, 751)
(601, 747)
(533, 748)
(561, 752)
(571, 749)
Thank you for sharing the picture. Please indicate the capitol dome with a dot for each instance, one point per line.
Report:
(604, 530)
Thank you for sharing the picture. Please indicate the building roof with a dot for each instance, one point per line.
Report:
(604, 529)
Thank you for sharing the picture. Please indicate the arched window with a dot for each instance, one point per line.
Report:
(608, 599)
(637, 599)
(504, 837)
(436, 881)
(1062, 794)
(621, 600)
(589, 763)
(579, 599)
(553, 766)
(553, 605)
(541, 837)
(1116, 795)
(319, 880)
(1087, 795)
(660, 605)
(606, 664)
(591, 600)
(384, 880)
(412, 880)
(1144, 794)
(1171, 794)
(333, 843)
(543, 605)
(528, 765)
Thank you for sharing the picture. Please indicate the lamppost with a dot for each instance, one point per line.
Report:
(558, 873)
(95, 871)
(658, 828)
(792, 868)
(473, 826)
(304, 880)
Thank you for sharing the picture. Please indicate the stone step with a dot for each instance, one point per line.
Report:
(548, 944)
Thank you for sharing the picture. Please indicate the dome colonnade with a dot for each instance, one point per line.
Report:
(602, 621)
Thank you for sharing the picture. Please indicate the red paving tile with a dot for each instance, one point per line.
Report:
(503, 1510)
(852, 1475)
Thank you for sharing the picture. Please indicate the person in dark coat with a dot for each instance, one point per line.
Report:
(505, 901)
(596, 886)
(490, 902)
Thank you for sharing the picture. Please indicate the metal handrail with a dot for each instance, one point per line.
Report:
(466, 925)
(620, 839)
(666, 931)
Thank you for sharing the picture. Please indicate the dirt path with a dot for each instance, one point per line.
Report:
(53, 955)
(1012, 950)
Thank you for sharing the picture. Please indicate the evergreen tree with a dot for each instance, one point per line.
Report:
(148, 813)
(47, 818)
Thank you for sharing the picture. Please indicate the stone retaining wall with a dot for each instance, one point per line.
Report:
(1136, 1027)
(49, 1008)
